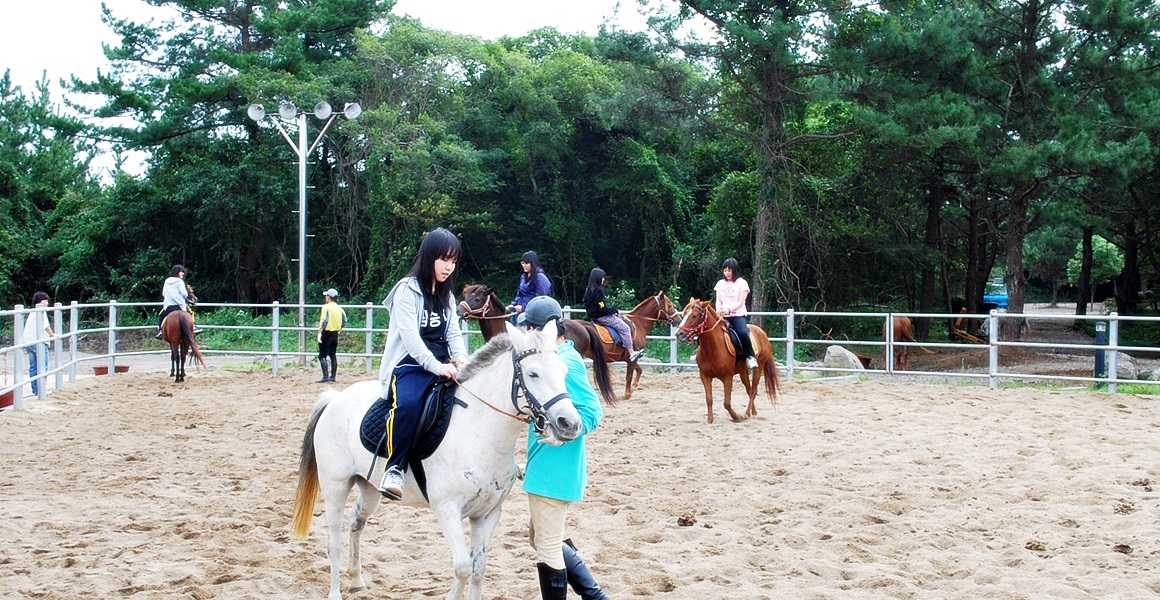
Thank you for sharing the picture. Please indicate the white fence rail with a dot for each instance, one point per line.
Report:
(58, 362)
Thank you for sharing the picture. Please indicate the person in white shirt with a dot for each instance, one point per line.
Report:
(731, 292)
(175, 296)
(37, 328)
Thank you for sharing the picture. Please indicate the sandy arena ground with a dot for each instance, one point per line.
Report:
(133, 487)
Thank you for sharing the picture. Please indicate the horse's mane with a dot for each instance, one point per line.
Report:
(484, 356)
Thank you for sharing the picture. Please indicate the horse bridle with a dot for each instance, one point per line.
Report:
(537, 416)
(701, 328)
(480, 314)
(660, 310)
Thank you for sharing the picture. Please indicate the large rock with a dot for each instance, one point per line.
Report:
(1127, 367)
(838, 357)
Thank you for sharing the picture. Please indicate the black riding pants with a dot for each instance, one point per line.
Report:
(328, 347)
(741, 326)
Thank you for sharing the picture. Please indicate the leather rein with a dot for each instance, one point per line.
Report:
(537, 416)
(696, 332)
(480, 314)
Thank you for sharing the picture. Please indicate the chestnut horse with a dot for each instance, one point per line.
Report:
(902, 332)
(718, 359)
(650, 311)
(480, 303)
(177, 330)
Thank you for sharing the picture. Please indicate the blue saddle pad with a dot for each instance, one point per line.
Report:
(434, 417)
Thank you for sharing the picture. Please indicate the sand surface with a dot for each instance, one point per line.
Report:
(133, 487)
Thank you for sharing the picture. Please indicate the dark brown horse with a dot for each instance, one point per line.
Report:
(177, 329)
(481, 304)
(718, 359)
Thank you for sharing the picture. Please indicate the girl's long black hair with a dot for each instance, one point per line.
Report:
(438, 243)
(595, 280)
(531, 257)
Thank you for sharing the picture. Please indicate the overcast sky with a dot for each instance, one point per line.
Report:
(63, 37)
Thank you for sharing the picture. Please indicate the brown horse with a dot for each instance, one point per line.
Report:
(718, 359)
(480, 303)
(177, 329)
(651, 310)
(902, 332)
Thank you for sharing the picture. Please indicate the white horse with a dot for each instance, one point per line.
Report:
(515, 379)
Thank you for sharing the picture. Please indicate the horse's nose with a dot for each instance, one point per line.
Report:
(683, 336)
(566, 429)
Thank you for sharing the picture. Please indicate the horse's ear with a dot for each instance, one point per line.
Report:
(551, 329)
(515, 333)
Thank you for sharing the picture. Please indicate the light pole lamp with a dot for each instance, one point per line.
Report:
(288, 112)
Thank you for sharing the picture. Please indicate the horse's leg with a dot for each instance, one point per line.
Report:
(707, 381)
(627, 379)
(751, 388)
(482, 530)
(365, 504)
(727, 382)
(451, 521)
(334, 495)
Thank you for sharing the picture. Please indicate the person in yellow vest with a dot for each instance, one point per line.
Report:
(332, 320)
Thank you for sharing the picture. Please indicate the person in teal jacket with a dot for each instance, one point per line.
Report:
(557, 475)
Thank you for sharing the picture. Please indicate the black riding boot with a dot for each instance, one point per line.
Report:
(325, 376)
(553, 582)
(579, 577)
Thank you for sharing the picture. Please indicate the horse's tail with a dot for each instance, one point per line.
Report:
(188, 339)
(769, 367)
(600, 367)
(908, 336)
(307, 493)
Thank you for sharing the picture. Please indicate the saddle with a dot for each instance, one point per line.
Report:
(434, 417)
(609, 336)
(732, 343)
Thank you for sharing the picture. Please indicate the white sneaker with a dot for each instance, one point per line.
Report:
(693, 357)
(391, 486)
(636, 355)
(751, 362)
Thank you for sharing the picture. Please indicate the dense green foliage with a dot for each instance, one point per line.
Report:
(850, 156)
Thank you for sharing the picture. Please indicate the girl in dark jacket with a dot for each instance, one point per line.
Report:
(599, 311)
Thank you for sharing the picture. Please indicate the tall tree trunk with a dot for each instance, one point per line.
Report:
(1013, 277)
(931, 239)
(1085, 275)
(1128, 286)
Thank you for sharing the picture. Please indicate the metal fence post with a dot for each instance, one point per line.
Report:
(993, 350)
(112, 337)
(58, 344)
(789, 328)
(888, 353)
(1113, 341)
(370, 338)
(74, 326)
(19, 370)
(274, 338)
(673, 348)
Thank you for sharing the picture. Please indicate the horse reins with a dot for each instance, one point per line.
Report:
(480, 314)
(536, 417)
(702, 327)
(660, 308)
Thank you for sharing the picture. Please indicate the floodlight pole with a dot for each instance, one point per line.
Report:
(302, 232)
(322, 111)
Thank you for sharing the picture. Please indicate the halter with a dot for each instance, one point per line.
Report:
(480, 314)
(538, 416)
(702, 327)
(660, 310)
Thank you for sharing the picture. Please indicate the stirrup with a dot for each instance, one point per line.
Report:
(635, 356)
(391, 486)
(159, 334)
